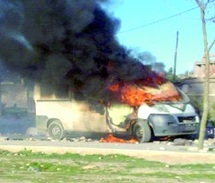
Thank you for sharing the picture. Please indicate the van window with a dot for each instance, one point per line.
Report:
(62, 92)
(45, 92)
(54, 92)
(78, 96)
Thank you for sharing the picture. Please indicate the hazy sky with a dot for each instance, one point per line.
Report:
(160, 38)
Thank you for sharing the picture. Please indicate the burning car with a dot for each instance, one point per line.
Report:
(171, 116)
(158, 119)
(86, 81)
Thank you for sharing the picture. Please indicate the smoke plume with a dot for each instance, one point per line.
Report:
(66, 41)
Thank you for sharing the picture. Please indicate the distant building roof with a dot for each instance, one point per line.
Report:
(212, 60)
(199, 69)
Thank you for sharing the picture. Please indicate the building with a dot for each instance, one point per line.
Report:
(199, 68)
(194, 85)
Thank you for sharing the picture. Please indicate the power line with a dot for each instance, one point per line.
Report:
(161, 20)
(158, 21)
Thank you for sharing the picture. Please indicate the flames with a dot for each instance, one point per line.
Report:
(111, 139)
(148, 91)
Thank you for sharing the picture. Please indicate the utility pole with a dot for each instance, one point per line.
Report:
(175, 58)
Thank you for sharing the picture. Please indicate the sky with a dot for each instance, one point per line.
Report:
(142, 30)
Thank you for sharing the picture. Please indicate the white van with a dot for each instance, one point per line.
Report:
(62, 113)
(157, 120)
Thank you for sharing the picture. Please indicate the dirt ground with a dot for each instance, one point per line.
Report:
(181, 158)
(169, 157)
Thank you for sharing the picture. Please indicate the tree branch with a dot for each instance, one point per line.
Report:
(211, 45)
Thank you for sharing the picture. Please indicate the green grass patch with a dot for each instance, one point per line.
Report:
(41, 167)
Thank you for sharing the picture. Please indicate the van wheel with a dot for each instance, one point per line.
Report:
(142, 132)
(55, 130)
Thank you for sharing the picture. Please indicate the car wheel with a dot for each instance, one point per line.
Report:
(56, 130)
(142, 132)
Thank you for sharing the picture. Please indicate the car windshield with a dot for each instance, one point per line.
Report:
(184, 99)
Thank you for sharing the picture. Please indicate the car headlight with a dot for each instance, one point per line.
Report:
(160, 108)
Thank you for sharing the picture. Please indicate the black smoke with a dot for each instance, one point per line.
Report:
(66, 42)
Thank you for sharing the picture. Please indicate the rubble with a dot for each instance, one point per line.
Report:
(182, 142)
(162, 145)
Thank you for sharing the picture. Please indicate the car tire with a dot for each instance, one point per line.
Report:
(142, 132)
(56, 130)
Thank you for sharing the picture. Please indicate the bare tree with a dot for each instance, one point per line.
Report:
(203, 4)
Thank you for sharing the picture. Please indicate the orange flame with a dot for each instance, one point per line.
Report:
(136, 94)
(111, 139)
